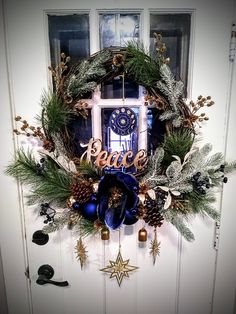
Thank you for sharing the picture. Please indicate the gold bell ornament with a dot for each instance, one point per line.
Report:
(105, 233)
(142, 235)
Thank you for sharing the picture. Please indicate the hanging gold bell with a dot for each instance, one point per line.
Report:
(142, 235)
(105, 233)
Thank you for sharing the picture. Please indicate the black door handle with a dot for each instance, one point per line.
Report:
(45, 273)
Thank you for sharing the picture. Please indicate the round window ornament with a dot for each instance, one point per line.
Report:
(123, 121)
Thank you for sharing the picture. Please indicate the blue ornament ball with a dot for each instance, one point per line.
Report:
(76, 205)
(89, 210)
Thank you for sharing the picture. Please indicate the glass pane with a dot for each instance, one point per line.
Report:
(118, 30)
(113, 89)
(155, 130)
(80, 132)
(175, 30)
(69, 34)
(114, 142)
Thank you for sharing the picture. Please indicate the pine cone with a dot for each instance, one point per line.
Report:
(82, 191)
(153, 216)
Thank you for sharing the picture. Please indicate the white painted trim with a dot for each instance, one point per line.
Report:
(3, 297)
(16, 283)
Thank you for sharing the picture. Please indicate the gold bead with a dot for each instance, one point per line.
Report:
(105, 233)
(142, 235)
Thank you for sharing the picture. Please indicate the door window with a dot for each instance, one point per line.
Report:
(175, 31)
(70, 34)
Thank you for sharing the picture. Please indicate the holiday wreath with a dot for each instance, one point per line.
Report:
(100, 190)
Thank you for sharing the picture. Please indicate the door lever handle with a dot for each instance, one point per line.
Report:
(45, 273)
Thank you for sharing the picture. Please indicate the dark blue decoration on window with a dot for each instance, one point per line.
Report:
(123, 121)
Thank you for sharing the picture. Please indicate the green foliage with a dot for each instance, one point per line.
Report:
(202, 204)
(141, 66)
(54, 188)
(178, 222)
(230, 167)
(173, 90)
(152, 176)
(177, 143)
(86, 228)
(24, 168)
(83, 78)
(89, 170)
(52, 185)
(55, 114)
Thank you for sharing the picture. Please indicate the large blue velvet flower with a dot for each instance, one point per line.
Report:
(118, 199)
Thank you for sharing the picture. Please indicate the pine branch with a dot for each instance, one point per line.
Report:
(212, 212)
(82, 78)
(201, 203)
(172, 89)
(230, 167)
(54, 188)
(56, 114)
(24, 168)
(87, 228)
(154, 167)
(51, 185)
(89, 170)
(141, 66)
(178, 222)
(177, 143)
(168, 115)
(182, 228)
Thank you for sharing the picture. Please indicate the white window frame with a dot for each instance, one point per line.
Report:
(96, 103)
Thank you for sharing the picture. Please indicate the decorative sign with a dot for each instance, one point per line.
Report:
(113, 159)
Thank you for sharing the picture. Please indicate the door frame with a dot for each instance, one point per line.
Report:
(17, 285)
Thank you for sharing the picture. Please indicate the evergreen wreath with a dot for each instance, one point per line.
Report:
(176, 182)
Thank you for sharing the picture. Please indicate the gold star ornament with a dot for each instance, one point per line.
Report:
(155, 247)
(81, 252)
(119, 268)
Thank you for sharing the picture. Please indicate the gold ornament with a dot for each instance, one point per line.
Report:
(114, 159)
(155, 247)
(142, 235)
(105, 233)
(119, 268)
(81, 252)
(74, 218)
(115, 196)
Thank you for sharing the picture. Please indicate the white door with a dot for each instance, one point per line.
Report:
(188, 277)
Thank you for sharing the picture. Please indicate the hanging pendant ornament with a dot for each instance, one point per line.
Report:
(155, 247)
(119, 268)
(81, 252)
(123, 121)
(142, 235)
(105, 233)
